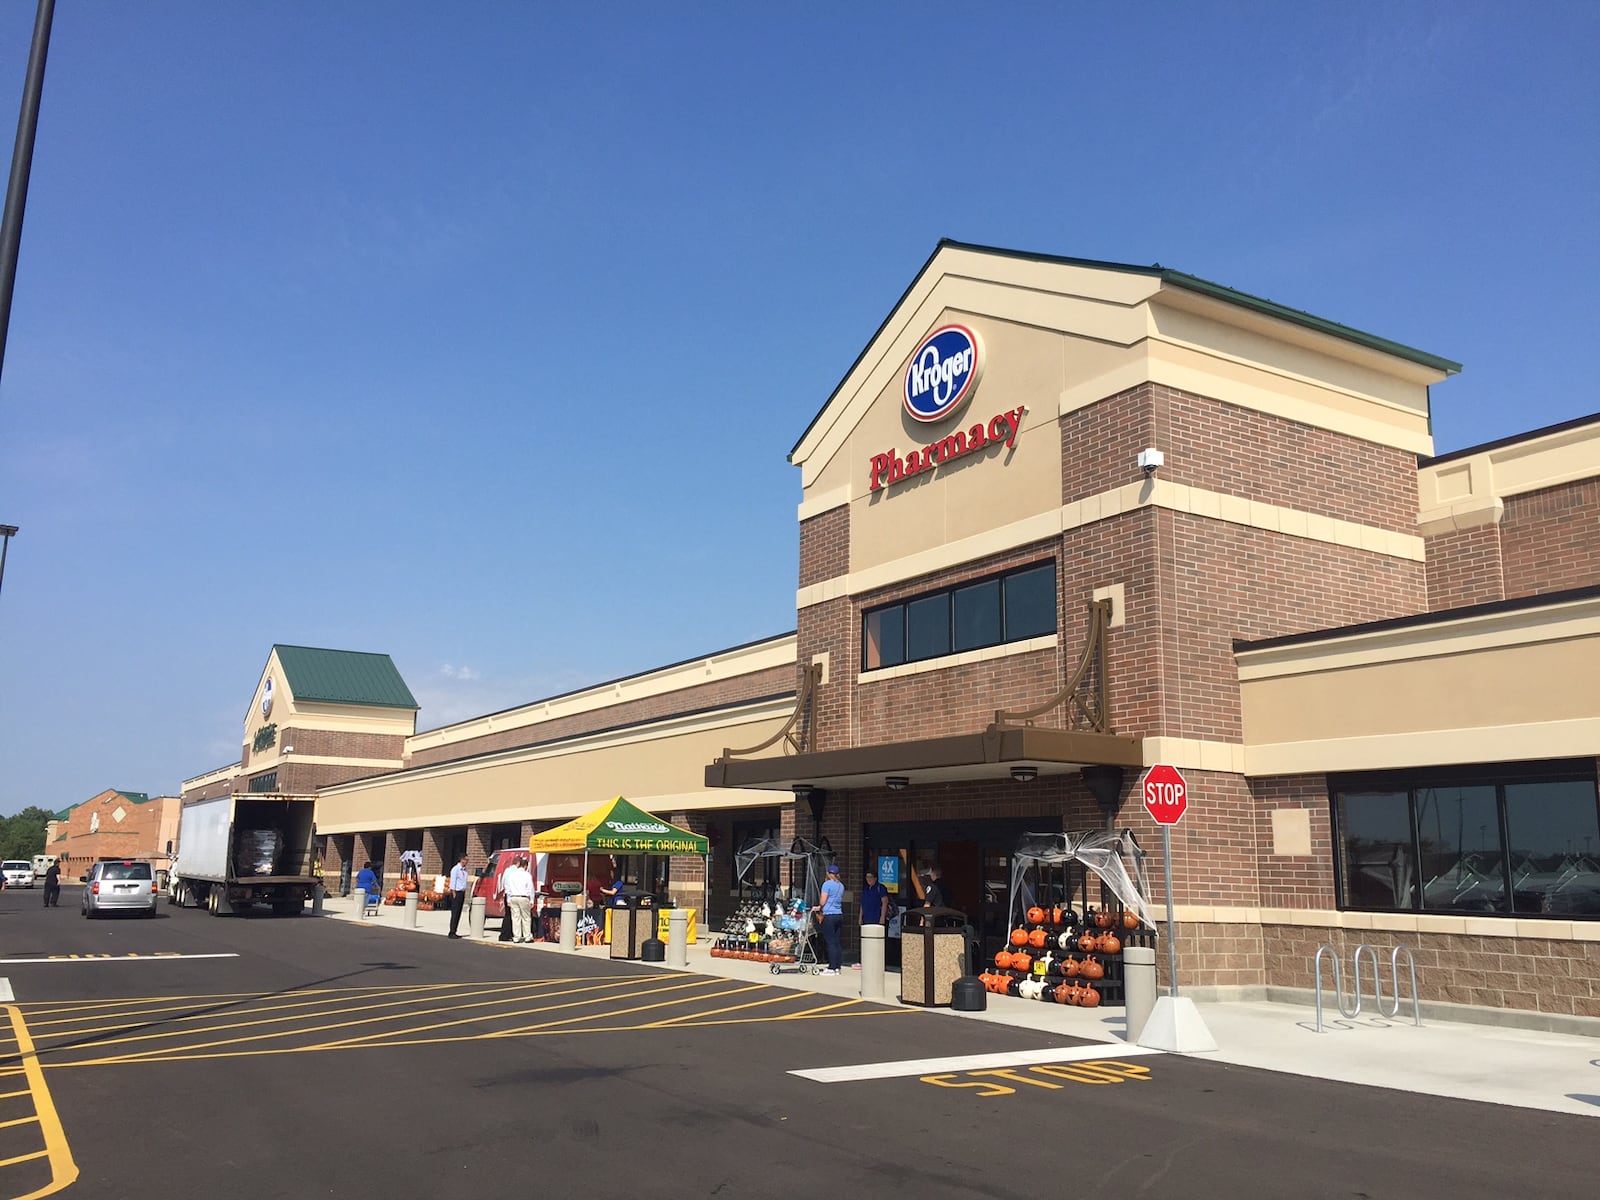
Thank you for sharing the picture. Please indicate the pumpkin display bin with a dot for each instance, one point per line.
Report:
(1072, 913)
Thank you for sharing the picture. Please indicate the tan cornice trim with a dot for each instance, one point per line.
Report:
(731, 664)
(671, 727)
(1377, 922)
(1149, 493)
(1433, 747)
(1523, 626)
(817, 503)
(1195, 754)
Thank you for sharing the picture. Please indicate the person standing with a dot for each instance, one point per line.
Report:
(830, 908)
(459, 882)
(52, 886)
(935, 896)
(874, 901)
(517, 883)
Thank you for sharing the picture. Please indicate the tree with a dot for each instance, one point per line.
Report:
(22, 835)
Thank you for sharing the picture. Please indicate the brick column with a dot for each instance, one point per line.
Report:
(688, 884)
(786, 831)
(478, 846)
(435, 850)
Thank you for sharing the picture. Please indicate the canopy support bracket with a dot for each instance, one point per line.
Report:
(1087, 706)
(799, 730)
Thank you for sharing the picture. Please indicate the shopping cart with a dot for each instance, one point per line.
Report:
(796, 926)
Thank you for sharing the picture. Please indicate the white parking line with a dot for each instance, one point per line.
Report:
(76, 958)
(970, 1062)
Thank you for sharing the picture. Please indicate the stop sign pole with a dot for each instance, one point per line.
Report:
(1166, 799)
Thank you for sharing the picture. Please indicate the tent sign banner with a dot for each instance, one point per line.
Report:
(618, 827)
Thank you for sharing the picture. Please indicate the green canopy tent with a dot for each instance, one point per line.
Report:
(621, 827)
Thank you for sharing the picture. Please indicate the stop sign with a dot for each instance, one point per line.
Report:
(1166, 795)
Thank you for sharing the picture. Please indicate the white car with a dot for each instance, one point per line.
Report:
(17, 872)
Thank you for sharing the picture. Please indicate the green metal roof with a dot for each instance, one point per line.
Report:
(344, 677)
(134, 797)
(65, 813)
(1177, 279)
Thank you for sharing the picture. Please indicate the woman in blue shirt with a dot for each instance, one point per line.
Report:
(831, 910)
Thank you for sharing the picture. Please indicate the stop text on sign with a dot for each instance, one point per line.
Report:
(1166, 795)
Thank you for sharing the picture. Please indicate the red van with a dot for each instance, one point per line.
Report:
(555, 877)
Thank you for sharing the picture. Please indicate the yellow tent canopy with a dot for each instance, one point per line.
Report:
(618, 827)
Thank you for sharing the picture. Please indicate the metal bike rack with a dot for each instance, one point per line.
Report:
(1392, 1010)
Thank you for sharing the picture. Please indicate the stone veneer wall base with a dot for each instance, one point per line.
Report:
(1432, 1010)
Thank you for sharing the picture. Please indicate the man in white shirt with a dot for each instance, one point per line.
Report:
(516, 881)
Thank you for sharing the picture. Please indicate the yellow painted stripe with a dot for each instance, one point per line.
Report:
(452, 1008)
(13, 1095)
(800, 1016)
(730, 1008)
(63, 1170)
(363, 1044)
(22, 1158)
(18, 1121)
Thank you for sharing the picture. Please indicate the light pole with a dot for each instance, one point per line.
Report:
(22, 165)
(6, 533)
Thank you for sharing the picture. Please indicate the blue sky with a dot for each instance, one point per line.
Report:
(479, 335)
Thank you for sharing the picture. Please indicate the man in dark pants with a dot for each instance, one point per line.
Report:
(460, 880)
(52, 886)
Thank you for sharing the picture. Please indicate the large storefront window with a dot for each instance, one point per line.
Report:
(1006, 608)
(1506, 839)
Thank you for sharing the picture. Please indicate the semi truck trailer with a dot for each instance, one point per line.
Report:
(237, 851)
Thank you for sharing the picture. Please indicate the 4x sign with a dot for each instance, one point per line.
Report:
(1166, 795)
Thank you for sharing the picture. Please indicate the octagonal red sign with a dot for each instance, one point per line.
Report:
(1166, 795)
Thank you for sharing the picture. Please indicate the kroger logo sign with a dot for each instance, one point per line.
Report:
(942, 373)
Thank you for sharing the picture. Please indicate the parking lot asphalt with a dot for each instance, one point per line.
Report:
(284, 1057)
(1496, 1064)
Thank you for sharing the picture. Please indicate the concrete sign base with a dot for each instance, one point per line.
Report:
(1175, 1025)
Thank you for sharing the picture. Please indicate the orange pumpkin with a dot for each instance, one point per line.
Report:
(1036, 916)
(1021, 961)
(1102, 919)
(1090, 998)
(1038, 938)
(1069, 967)
(1109, 943)
(1086, 943)
(1092, 968)
(1002, 959)
(1019, 937)
(1129, 921)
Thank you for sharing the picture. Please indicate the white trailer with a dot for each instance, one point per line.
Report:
(241, 850)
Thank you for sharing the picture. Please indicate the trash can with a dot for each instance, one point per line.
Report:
(933, 955)
(633, 922)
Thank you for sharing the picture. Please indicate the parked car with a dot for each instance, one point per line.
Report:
(17, 872)
(122, 886)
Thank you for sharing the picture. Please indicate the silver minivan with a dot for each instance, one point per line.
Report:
(120, 886)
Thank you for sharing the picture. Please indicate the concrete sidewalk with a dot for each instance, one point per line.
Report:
(1497, 1064)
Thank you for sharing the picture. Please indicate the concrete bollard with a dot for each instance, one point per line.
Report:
(409, 917)
(361, 904)
(678, 937)
(317, 895)
(475, 917)
(569, 924)
(872, 962)
(1138, 988)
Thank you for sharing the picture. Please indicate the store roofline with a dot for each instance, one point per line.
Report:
(1436, 617)
(1512, 440)
(1180, 279)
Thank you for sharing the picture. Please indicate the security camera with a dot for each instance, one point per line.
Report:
(1150, 459)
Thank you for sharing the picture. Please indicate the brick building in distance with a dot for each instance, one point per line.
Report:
(113, 824)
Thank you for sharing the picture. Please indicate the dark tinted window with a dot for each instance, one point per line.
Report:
(1006, 608)
(977, 615)
(1031, 603)
(1509, 838)
(928, 627)
(126, 871)
(1375, 850)
(1554, 832)
(1458, 831)
(883, 638)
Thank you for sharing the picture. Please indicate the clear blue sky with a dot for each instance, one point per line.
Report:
(478, 334)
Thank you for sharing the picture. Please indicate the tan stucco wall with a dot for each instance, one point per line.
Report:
(1504, 686)
(1468, 491)
(653, 766)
